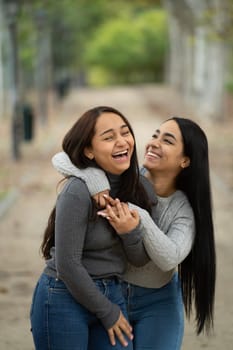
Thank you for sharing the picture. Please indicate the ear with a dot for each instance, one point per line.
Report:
(88, 153)
(185, 162)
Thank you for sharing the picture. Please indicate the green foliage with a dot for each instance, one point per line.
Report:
(129, 42)
(130, 49)
(27, 40)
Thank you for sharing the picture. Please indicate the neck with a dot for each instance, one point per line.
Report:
(164, 185)
(114, 181)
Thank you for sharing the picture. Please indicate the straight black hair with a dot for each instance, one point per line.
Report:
(198, 271)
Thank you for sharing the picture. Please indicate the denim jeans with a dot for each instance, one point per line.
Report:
(156, 315)
(59, 322)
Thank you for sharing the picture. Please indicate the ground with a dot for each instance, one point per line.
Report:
(31, 187)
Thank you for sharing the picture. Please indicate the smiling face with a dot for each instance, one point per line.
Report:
(164, 152)
(112, 145)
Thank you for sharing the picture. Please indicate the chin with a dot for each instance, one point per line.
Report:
(148, 166)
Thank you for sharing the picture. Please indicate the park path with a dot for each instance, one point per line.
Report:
(33, 192)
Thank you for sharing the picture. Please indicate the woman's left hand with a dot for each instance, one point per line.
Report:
(122, 219)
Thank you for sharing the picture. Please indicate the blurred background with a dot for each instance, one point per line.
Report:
(48, 48)
(150, 59)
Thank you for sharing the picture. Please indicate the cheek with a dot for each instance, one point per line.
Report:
(131, 142)
(177, 160)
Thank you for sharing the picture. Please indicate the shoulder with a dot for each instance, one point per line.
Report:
(180, 197)
(76, 187)
(148, 187)
(145, 182)
(74, 199)
(180, 203)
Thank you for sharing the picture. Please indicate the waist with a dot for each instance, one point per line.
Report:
(106, 281)
(106, 266)
(137, 290)
(148, 276)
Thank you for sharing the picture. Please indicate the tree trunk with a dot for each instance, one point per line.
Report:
(1, 64)
(197, 57)
(43, 66)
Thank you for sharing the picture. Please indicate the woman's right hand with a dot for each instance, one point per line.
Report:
(122, 219)
(119, 330)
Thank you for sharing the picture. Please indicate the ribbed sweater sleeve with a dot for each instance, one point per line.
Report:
(63, 165)
(168, 249)
(134, 247)
(72, 217)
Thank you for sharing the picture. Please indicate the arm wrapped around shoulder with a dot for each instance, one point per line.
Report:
(95, 178)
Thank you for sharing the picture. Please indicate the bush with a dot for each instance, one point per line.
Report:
(130, 49)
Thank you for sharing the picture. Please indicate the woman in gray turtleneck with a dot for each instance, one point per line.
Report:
(85, 259)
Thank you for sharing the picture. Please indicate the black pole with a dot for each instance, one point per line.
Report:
(11, 11)
(16, 124)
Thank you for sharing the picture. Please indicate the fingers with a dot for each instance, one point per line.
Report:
(111, 336)
(120, 336)
(122, 219)
(109, 199)
(101, 202)
(120, 329)
(118, 211)
(126, 328)
(100, 199)
(111, 215)
(135, 214)
(121, 208)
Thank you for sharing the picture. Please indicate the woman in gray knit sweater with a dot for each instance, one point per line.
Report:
(85, 259)
(179, 239)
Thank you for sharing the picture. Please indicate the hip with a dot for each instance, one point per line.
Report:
(169, 292)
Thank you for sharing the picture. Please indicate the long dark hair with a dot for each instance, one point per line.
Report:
(198, 270)
(75, 141)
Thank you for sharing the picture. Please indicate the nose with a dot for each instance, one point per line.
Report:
(121, 141)
(154, 143)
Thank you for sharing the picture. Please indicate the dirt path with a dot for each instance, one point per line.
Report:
(34, 191)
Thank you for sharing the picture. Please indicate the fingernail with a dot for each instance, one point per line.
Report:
(105, 195)
(101, 214)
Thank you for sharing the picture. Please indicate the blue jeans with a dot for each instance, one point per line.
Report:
(59, 322)
(156, 315)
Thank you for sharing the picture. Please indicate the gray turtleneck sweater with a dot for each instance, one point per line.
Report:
(168, 235)
(87, 249)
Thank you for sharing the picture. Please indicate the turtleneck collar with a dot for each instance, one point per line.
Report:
(114, 181)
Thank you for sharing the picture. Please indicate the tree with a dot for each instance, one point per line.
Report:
(197, 65)
(132, 48)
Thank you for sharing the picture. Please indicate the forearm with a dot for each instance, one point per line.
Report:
(85, 292)
(166, 250)
(70, 231)
(95, 178)
(134, 247)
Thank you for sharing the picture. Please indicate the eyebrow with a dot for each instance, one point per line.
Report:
(167, 134)
(112, 130)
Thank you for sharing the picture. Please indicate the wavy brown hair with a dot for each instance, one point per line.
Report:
(74, 143)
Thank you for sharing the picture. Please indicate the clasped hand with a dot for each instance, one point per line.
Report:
(121, 218)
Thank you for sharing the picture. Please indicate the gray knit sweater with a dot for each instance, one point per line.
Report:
(87, 249)
(168, 236)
